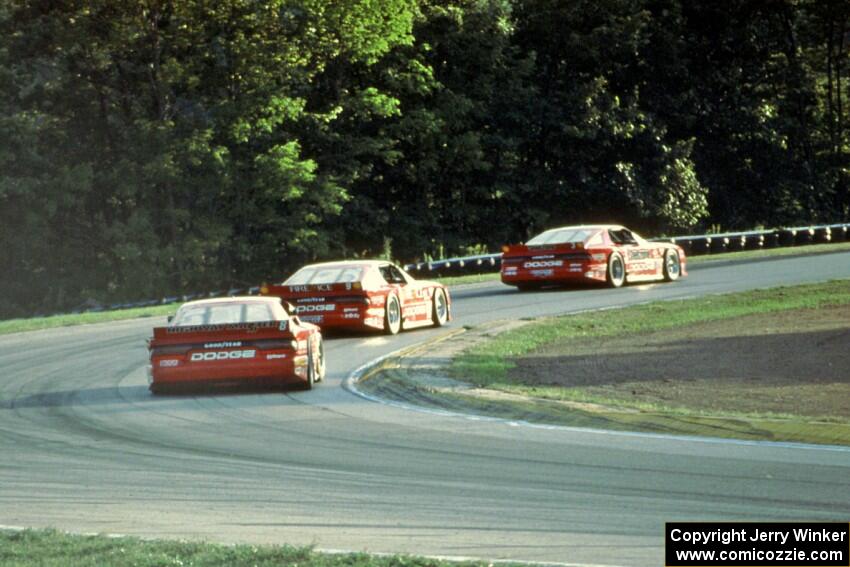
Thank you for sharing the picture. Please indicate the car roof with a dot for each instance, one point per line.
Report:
(361, 263)
(235, 299)
(587, 227)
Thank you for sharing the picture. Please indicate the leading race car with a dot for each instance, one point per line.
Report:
(235, 340)
(599, 253)
(364, 294)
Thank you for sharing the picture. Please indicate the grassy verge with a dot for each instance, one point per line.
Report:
(492, 365)
(53, 321)
(37, 323)
(704, 259)
(48, 548)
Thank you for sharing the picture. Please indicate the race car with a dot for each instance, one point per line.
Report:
(363, 294)
(235, 340)
(608, 254)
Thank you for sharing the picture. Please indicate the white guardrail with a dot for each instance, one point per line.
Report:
(490, 263)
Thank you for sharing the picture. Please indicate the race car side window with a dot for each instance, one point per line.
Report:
(392, 274)
(621, 236)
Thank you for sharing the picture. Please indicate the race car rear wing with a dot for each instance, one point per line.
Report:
(566, 250)
(265, 330)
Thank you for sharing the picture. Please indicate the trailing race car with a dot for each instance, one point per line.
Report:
(235, 340)
(600, 253)
(363, 294)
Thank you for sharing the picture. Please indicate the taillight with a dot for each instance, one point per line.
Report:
(274, 344)
(170, 350)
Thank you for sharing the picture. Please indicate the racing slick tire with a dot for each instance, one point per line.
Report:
(321, 366)
(311, 367)
(440, 312)
(672, 266)
(616, 270)
(392, 315)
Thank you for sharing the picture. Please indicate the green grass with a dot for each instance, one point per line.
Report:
(36, 323)
(53, 321)
(49, 548)
(489, 365)
(489, 362)
(704, 259)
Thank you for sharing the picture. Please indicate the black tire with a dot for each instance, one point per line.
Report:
(672, 266)
(321, 366)
(616, 270)
(311, 370)
(392, 315)
(440, 309)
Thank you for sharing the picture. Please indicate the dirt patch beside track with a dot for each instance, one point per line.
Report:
(790, 362)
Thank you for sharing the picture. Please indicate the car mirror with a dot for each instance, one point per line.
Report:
(170, 318)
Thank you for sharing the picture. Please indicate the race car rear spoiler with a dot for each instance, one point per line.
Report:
(281, 290)
(228, 332)
(522, 250)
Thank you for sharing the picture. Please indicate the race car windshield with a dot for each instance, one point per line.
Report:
(560, 236)
(222, 314)
(326, 275)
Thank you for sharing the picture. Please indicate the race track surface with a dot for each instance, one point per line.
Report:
(86, 448)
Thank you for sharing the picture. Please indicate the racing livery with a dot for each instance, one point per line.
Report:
(600, 253)
(363, 294)
(235, 340)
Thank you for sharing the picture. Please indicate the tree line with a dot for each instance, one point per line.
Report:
(153, 147)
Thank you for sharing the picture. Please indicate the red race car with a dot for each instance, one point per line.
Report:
(363, 294)
(601, 253)
(235, 340)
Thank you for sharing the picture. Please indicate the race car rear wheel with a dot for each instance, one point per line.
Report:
(392, 315)
(672, 266)
(320, 360)
(441, 308)
(311, 367)
(616, 270)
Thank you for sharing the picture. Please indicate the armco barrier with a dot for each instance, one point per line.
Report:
(695, 245)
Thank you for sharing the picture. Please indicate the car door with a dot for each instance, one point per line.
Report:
(415, 300)
(637, 254)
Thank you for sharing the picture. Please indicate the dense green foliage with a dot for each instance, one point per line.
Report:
(151, 147)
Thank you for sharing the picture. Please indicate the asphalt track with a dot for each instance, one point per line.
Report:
(85, 447)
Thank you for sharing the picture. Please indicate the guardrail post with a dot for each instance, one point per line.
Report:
(805, 236)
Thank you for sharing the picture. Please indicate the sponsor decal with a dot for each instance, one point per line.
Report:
(168, 363)
(275, 356)
(351, 310)
(544, 264)
(598, 257)
(315, 308)
(313, 318)
(310, 300)
(543, 257)
(223, 355)
(351, 316)
(247, 327)
(223, 344)
(542, 273)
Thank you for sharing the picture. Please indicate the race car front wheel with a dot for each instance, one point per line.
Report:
(616, 270)
(441, 308)
(672, 266)
(392, 315)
